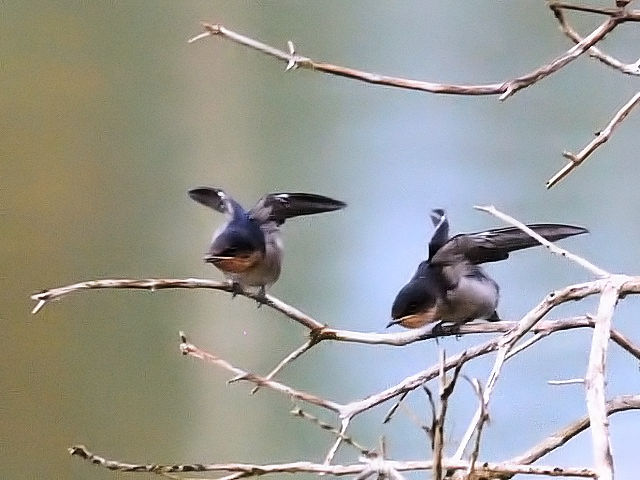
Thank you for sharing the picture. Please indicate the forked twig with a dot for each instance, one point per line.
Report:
(595, 52)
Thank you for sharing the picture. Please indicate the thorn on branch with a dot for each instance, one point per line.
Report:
(292, 64)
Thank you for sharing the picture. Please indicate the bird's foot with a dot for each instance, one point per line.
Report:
(441, 329)
(236, 289)
(261, 297)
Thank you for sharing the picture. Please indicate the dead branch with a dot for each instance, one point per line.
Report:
(298, 412)
(484, 417)
(324, 333)
(153, 284)
(611, 288)
(552, 247)
(595, 380)
(594, 52)
(576, 159)
(559, 438)
(193, 351)
(253, 470)
(504, 89)
(446, 389)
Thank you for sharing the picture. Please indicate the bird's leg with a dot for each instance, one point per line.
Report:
(441, 329)
(262, 296)
(236, 289)
(437, 330)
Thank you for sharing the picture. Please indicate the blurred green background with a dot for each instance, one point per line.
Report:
(108, 117)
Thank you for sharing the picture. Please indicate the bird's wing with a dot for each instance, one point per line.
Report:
(494, 245)
(217, 199)
(278, 207)
(441, 232)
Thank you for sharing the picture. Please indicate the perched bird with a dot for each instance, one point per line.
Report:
(248, 247)
(450, 286)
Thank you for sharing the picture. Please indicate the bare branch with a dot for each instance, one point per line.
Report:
(484, 417)
(446, 389)
(298, 412)
(595, 52)
(504, 89)
(570, 381)
(572, 292)
(552, 247)
(288, 359)
(153, 284)
(559, 438)
(611, 12)
(192, 350)
(595, 380)
(392, 410)
(625, 343)
(576, 159)
(255, 470)
(346, 420)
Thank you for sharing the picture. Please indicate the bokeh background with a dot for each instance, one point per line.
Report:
(108, 117)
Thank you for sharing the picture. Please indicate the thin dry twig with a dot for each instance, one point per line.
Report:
(381, 465)
(153, 284)
(594, 52)
(556, 440)
(392, 410)
(193, 351)
(298, 412)
(576, 159)
(344, 425)
(484, 417)
(504, 89)
(446, 389)
(288, 359)
(569, 381)
(611, 12)
(552, 247)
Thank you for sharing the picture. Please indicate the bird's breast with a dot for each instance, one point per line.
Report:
(473, 297)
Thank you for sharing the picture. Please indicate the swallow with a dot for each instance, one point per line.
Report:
(450, 286)
(248, 247)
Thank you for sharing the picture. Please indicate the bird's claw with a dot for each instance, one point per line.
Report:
(261, 297)
(236, 289)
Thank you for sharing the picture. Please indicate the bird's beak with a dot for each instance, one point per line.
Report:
(416, 320)
(215, 258)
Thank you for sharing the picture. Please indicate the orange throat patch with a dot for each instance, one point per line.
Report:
(237, 264)
(419, 319)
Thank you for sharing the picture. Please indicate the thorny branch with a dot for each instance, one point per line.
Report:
(611, 287)
(153, 284)
(576, 159)
(379, 466)
(504, 89)
(552, 247)
(595, 52)
(559, 438)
